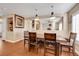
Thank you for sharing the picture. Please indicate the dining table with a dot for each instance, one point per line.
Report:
(40, 37)
(59, 38)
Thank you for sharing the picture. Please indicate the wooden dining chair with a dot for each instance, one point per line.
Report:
(70, 44)
(50, 43)
(33, 41)
(26, 37)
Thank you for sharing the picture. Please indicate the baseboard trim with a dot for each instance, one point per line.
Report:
(12, 41)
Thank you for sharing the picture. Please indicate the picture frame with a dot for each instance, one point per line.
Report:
(19, 21)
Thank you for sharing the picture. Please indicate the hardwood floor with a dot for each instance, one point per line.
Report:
(18, 49)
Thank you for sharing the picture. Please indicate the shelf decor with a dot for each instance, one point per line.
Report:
(10, 24)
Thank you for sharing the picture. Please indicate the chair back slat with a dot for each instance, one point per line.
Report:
(26, 34)
(50, 36)
(72, 38)
(32, 36)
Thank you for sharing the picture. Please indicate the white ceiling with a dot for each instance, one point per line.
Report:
(28, 9)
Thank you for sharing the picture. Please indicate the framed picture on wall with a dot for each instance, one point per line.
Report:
(19, 21)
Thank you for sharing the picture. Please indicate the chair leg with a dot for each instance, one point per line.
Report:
(73, 51)
(69, 49)
(56, 50)
(29, 47)
(44, 48)
(61, 49)
(24, 43)
(44, 51)
(36, 49)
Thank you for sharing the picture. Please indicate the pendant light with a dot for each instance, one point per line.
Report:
(36, 16)
(52, 17)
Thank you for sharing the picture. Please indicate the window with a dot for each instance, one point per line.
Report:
(75, 25)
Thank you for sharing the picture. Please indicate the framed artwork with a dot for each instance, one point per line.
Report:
(19, 21)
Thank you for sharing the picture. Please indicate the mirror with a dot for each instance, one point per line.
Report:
(58, 24)
(52, 24)
(49, 24)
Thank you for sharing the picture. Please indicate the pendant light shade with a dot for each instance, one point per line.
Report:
(52, 14)
(36, 17)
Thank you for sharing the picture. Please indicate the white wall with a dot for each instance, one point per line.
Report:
(0, 27)
(18, 33)
(4, 28)
(63, 33)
